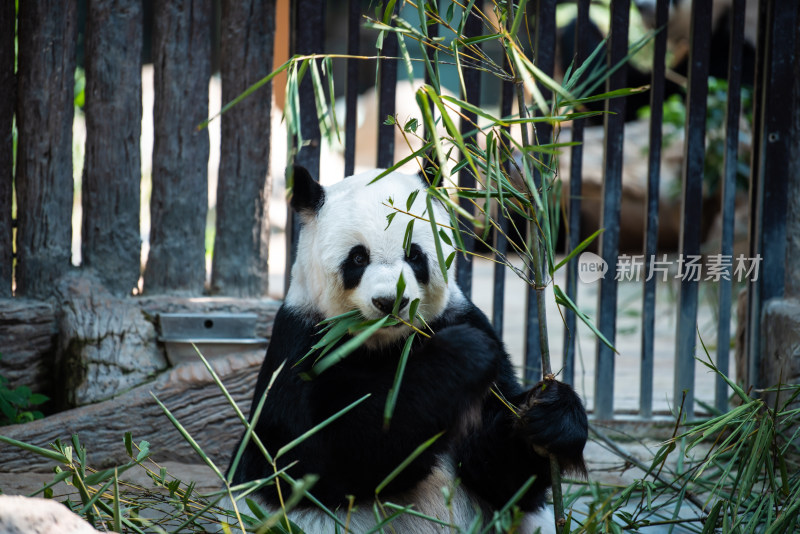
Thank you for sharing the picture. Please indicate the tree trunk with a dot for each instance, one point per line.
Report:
(179, 201)
(8, 88)
(47, 39)
(112, 171)
(240, 265)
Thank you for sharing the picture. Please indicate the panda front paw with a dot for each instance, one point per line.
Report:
(552, 418)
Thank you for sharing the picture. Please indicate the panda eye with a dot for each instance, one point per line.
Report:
(358, 257)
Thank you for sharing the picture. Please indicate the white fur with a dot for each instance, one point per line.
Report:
(354, 212)
(428, 499)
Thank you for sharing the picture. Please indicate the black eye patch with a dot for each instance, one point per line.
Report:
(418, 261)
(354, 265)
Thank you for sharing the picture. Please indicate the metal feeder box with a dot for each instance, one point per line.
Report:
(215, 334)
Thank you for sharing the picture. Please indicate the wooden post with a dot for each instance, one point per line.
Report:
(308, 37)
(179, 202)
(242, 240)
(47, 36)
(112, 170)
(8, 85)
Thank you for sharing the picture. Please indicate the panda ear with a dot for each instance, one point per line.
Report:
(307, 195)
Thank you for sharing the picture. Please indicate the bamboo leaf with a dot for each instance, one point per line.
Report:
(580, 248)
(436, 239)
(189, 439)
(518, 16)
(349, 346)
(250, 90)
(316, 428)
(401, 289)
(47, 453)
(399, 469)
(391, 398)
(564, 300)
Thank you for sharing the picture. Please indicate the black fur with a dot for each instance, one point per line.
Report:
(418, 261)
(354, 265)
(307, 195)
(446, 378)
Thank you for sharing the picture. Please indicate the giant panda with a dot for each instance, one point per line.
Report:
(349, 259)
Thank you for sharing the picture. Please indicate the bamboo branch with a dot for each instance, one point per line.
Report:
(539, 287)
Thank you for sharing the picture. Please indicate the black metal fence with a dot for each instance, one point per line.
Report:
(777, 22)
(43, 182)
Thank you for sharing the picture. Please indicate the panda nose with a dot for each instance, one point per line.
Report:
(385, 304)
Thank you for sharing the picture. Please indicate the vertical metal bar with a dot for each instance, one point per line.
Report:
(472, 83)
(432, 32)
(773, 167)
(755, 190)
(500, 241)
(545, 60)
(729, 199)
(574, 203)
(692, 204)
(308, 37)
(351, 86)
(651, 218)
(612, 197)
(387, 85)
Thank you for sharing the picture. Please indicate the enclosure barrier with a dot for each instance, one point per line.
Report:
(39, 97)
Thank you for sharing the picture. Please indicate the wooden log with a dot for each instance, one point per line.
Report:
(188, 391)
(112, 169)
(8, 86)
(179, 200)
(47, 36)
(28, 330)
(241, 245)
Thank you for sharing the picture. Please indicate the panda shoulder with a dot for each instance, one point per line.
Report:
(461, 310)
(292, 332)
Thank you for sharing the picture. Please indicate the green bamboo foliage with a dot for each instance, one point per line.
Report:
(747, 480)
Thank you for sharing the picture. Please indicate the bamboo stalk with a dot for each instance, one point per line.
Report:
(539, 287)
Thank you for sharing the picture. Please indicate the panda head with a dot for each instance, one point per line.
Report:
(349, 257)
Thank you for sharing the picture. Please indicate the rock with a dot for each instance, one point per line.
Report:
(107, 345)
(39, 516)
